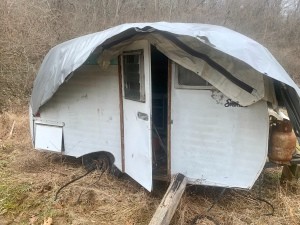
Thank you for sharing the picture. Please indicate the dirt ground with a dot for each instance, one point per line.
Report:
(30, 179)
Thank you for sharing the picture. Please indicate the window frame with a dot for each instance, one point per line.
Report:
(181, 86)
(140, 53)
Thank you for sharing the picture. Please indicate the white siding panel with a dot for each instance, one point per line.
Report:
(88, 104)
(216, 145)
(48, 137)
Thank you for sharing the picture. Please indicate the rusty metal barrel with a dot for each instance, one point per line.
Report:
(282, 143)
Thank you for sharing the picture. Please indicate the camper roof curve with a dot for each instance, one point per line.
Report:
(239, 60)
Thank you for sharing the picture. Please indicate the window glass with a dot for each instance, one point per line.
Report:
(133, 74)
(189, 78)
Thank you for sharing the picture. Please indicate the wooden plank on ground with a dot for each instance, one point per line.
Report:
(170, 201)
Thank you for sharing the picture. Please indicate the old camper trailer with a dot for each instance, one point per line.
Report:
(163, 98)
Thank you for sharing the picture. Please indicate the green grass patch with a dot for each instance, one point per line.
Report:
(12, 197)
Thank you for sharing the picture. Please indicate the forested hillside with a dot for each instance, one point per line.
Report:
(30, 179)
(30, 28)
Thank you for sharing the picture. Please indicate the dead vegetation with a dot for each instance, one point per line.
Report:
(29, 179)
(30, 28)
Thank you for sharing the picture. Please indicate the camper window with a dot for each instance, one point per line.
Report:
(133, 73)
(189, 80)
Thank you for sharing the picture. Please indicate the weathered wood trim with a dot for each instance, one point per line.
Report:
(170, 201)
(121, 113)
(169, 119)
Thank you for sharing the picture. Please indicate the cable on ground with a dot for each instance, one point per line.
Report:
(99, 169)
(200, 216)
(72, 181)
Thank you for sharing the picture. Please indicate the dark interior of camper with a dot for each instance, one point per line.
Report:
(159, 80)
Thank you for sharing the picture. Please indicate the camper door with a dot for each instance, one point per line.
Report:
(136, 83)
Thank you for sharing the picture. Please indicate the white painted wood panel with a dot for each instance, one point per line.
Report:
(48, 137)
(137, 132)
(88, 105)
(216, 145)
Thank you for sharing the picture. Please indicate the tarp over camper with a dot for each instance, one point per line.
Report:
(111, 107)
(238, 62)
(234, 63)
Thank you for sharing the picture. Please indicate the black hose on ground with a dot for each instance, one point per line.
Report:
(72, 181)
(200, 216)
(271, 213)
(78, 199)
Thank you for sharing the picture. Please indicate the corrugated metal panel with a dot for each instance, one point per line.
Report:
(88, 104)
(217, 145)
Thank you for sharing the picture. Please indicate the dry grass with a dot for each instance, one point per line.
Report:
(30, 179)
(30, 28)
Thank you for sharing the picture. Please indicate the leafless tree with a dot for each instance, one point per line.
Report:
(30, 28)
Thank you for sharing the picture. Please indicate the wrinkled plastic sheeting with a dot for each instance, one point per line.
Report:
(64, 58)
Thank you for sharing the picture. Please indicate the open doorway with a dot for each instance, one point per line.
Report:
(159, 80)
